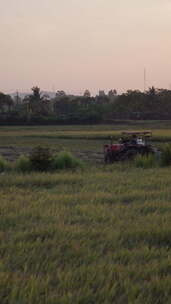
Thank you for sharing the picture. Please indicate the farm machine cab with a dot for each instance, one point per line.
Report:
(130, 144)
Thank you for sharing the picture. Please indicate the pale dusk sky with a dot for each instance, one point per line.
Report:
(78, 44)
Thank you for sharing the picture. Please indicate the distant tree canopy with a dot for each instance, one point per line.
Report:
(153, 104)
(87, 93)
(40, 108)
(37, 104)
(6, 102)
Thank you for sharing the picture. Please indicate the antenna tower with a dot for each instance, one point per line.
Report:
(145, 80)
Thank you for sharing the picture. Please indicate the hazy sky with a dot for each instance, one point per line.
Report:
(78, 44)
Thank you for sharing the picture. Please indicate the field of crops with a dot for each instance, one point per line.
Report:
(97, 235)
(84, 141)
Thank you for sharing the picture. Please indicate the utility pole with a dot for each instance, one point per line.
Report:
(145, 79)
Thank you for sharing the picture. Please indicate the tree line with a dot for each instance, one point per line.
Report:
(38, 108)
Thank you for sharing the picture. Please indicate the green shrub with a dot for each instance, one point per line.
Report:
(165, 159)
(65, 160)
(23, 164)
(3, 164)
(40, 158)
(145, 161)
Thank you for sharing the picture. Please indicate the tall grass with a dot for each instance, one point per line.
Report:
(145, 161)
(65, 160)
(86, 237)
(23, 164)
(162, 159)
(166, 155)
(4, 165)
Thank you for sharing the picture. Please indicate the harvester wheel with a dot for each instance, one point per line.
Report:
(130, 154)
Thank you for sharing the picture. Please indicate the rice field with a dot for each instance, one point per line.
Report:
(98, 235)
(71, 136)
(84, 141)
